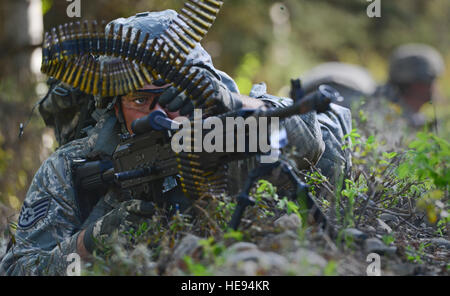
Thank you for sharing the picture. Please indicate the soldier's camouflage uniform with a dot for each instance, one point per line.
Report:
(52, 215)
(50, 218)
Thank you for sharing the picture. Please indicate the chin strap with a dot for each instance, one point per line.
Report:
(120, 117)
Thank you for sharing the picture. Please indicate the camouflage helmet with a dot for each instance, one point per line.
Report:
(415, 62)
(352, 81)
(155, 23)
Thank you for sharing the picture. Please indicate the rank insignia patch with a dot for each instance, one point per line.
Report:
(30, 214)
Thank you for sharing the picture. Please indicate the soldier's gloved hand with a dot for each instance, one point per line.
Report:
(174, 100)
(220, 99)
(129, 214)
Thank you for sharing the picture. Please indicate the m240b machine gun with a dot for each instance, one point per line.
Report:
(142, 161)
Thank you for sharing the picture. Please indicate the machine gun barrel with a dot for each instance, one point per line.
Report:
(132, 174)
(319, 101)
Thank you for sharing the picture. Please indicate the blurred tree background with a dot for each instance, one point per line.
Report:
(252, 40)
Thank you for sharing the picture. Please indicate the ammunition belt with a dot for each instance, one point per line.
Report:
(70, 51)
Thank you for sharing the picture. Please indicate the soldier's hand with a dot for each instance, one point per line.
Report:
(220, 99)
(130, 214)
(174, 100)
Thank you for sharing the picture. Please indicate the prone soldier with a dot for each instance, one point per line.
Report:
(58, 219)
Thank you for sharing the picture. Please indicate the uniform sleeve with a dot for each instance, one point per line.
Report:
(48, 223)
(319, 138)
(335, 124)
(304, 134)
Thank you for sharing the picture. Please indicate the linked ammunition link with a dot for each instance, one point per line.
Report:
(70, 54)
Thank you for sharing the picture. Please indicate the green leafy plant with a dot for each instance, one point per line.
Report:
(415, 255)
(265, 189)
(427, 163)
(234, 234)
(195, 268)
(388, 239)
(442, 225)
(330, 269)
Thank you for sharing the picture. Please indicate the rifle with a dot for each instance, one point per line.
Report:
(143, 160)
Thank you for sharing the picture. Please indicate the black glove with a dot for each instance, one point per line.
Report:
(129, 215)
(221, 100)
(175, 100)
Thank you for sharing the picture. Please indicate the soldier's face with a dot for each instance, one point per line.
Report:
(419, 93)
(138, 104)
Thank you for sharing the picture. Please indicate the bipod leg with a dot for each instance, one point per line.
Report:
(244, 199)
(304, 196)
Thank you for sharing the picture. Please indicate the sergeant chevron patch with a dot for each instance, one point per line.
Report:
(30, 214)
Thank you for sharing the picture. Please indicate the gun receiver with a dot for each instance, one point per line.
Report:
(142, 161)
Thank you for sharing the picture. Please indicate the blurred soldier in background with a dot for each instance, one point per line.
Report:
(393, 109)
(353, 82)
(413, 70)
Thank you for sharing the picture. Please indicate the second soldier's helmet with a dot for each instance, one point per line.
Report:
(353, 82)
(415, 62)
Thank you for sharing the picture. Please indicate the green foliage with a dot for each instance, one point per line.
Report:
(427, 162)
(134, 234)
(416, 255)
(222, 211)
(289, 205)
(351, 192)
(428, 159)
(18, 159)
(5, 158)
(46, 6)
(233, 234)
(266, 190)
(388, 239)
(442, 225)
(330, 269)
(315, 179)
(211, 249)
(250, 65)
(196, 269)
